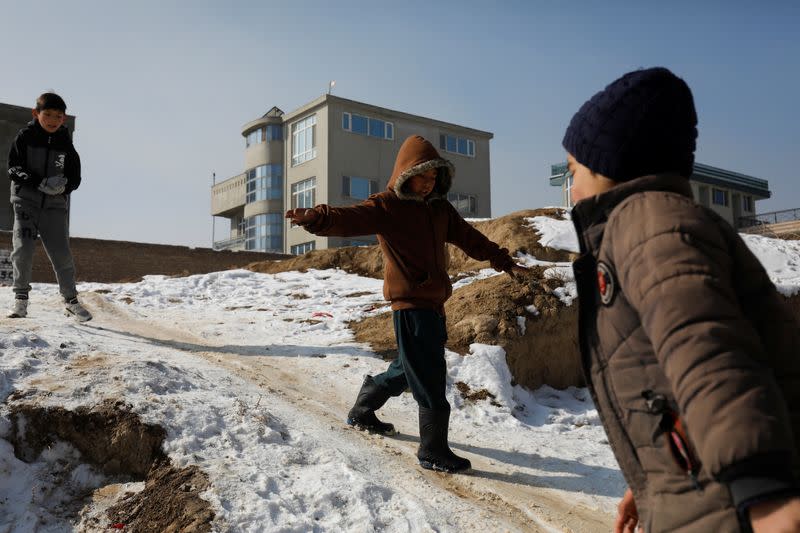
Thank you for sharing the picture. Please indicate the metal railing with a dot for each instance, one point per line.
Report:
(229, 244)
(775, 217)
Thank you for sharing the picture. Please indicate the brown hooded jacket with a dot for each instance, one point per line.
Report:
(412, 231)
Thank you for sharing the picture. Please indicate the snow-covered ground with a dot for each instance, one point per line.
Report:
(206, 357)
(252, 374)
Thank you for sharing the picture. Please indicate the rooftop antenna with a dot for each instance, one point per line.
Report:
(331, 85)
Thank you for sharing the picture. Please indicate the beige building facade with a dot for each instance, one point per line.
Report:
(730, 194)
(335, 151)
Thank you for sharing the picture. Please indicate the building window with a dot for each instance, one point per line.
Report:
(270, 132)
(304, 140)
(372, 127)
(255, 137)
(747, 204)
(703, 195)
(719, 197)
(358, 188)
(357, 242)
(464, 203)
(274, 132)
(300, 249)
(264, 233)
(303, 193)
(569, 179)
(264, 183)
(457, 145)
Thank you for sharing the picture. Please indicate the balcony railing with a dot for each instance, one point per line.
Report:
(775, 217)
(237, 243)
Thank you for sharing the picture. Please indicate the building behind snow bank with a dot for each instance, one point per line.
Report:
(732, 195)
(335, 151)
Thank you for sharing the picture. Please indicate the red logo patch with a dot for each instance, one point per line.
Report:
(601, 282)
(605, 283)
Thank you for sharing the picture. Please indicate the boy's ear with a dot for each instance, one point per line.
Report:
(34, 113)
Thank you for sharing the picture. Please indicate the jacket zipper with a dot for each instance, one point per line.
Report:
(46, 165)
(433, 237)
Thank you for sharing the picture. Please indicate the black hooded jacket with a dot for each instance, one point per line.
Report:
(36, 154)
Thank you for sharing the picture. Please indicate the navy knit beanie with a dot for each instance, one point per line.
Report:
(643, 123)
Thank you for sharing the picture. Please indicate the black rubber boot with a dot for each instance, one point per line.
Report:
(362, 415)
(434, 452)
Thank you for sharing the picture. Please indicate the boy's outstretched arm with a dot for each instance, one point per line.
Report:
(678, 273)
(17, 167)
(365, 218)
(476, 245)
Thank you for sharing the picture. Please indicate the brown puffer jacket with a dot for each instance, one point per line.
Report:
(679, 319)
(412, 231)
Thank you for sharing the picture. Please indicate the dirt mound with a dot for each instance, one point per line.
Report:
(168, 503)
(543, 351)
(508, 231)
(362, 260)
(113, 438)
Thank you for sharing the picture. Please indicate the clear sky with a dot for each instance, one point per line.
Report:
(161, 89)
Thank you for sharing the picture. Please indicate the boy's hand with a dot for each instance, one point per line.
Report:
(516, 271)
(302, 216)
(776, 516)
(627, 515)
(53, 185)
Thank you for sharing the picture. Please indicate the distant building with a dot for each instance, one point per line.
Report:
(12, 119)
(730, 194)
(335, 151)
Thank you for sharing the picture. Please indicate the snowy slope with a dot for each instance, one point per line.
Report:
(251, 375)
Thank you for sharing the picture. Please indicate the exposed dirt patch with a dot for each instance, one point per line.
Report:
(547, 351)
(362, 260)
(113, 439)
(510, 232)
(168, 503)
(475, 395)
(109, 435)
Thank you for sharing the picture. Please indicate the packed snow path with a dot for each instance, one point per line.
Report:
(252, 376)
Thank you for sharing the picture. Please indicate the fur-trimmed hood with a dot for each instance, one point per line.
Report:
(416, 156)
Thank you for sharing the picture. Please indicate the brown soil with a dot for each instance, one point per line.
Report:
(547, 353)
(113, 438)
(362, 260)
(168, 503)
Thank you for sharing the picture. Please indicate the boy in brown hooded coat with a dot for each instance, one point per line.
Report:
(690, 354)
(413, 220)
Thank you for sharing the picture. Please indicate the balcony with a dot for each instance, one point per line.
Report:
(228, 197)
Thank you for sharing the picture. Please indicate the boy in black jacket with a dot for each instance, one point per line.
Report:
(44, 169)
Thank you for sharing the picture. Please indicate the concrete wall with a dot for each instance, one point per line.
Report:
(120, 261)
(12, 119)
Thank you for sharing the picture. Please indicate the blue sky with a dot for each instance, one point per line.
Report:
(161, 89)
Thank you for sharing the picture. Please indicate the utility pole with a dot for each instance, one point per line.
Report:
(213, 218)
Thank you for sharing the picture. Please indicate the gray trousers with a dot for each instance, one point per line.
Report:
(51, 223)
